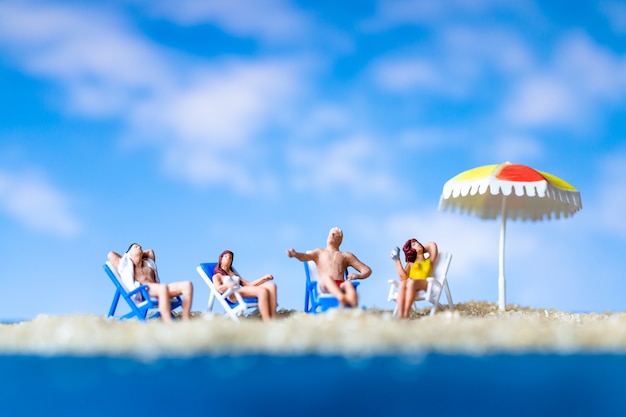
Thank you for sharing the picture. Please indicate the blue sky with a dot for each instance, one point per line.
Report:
(197, 126)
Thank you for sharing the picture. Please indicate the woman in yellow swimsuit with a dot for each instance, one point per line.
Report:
(413, 275)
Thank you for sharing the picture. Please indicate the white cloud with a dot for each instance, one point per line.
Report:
(406, 74)
(456, 62)
(325, 118)
(38, 205)
(517, 149)
(204, 163)
(356, 164)
(224, 104)
(542, 100)
(401, 73)
(99, 62)
(569, 92)
(473, 50)
(459, 61)
(210, 127)
(193, 109)
(594, 70)
(268, 20)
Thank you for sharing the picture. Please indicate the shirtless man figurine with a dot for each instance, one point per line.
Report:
(144, 272)
(331, 267)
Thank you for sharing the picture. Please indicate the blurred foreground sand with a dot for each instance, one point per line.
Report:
(473, 328)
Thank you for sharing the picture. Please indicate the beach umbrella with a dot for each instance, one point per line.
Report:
(509, 191)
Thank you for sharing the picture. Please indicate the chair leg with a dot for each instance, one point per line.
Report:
(433, 309)
(306, 301)
(116, 299)
(209, 306)
(232, 315)
(140, 313)
(449, 297)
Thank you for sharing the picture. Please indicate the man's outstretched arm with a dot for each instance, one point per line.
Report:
(302, 256)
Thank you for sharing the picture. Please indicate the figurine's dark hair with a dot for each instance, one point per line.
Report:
(218, 268)
(410, 254)
(131, 245)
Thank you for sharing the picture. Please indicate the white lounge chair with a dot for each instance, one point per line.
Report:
(232, 309)
(436, 283)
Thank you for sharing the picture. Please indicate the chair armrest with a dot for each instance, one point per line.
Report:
(145, 295)
(229, 291)
(232, 291)
(137, 290)
(143, 289)
(392, 295)
(238, 296)
(432, 284)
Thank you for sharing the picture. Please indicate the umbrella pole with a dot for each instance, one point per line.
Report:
(501, 280)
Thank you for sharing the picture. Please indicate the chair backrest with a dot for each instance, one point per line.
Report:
(120, 286)
(206, 271)
(208, 268)
(442, 265)
(115, 277)
(310, 270)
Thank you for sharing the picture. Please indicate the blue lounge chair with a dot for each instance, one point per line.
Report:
(314, 298)
(137, 299)
(232, 309)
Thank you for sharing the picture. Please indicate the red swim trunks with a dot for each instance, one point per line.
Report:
(339, 282)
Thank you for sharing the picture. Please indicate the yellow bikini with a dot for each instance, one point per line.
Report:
(420, 269)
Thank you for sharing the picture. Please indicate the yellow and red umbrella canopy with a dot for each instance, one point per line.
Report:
(511, 191)
(529, 194)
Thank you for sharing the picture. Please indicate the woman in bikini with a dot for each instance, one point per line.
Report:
(413, 275)
(225, 276)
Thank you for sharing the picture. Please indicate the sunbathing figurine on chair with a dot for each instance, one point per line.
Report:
(413, 275)
(225, 276)
(331, 266)
(137, 266)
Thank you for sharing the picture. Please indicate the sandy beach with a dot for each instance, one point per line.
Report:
(472, 328)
